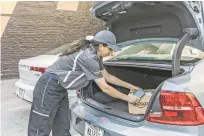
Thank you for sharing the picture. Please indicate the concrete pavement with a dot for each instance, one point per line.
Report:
(15, 111)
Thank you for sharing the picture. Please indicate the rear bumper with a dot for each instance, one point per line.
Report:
(28, 90)
(113, 126)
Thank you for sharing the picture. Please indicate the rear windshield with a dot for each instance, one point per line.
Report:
(156, 51)
(61, 49)
(58, 50)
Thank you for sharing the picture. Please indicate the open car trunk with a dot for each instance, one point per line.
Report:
(140, 20)
(145, 78)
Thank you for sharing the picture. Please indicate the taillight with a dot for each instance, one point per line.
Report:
(78, 94)
(39, 69)
(178, 108)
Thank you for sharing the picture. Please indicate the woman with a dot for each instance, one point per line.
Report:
(72, 71)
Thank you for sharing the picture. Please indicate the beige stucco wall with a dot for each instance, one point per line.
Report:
(6, 9)
(68, 5)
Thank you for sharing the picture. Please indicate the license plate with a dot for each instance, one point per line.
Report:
(91, 130)
(21, 93)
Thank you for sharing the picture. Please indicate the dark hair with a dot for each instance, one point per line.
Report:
(81, 45)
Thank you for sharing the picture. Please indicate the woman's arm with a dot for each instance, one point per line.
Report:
(113, 92)
(116, 81)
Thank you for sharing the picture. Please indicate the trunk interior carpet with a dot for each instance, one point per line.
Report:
(120, 105)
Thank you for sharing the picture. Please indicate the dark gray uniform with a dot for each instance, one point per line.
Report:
(50, 107)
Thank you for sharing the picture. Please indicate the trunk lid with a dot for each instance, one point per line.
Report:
(30, 76)
(139, 20)
(136, 20)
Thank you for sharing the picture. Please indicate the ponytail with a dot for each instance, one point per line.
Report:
(81, 45)
(76, 46)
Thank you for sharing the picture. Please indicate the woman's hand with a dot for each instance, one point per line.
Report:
(132, 99)
(133, 88)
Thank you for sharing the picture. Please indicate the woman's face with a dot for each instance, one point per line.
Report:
(104, 51)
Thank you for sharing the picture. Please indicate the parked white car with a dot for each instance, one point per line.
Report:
(31, 69)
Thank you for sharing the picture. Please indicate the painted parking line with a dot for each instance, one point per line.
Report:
(18, 108)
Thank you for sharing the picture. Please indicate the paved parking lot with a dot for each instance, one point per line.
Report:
(15, 112)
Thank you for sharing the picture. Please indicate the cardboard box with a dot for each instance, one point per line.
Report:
(141, 107)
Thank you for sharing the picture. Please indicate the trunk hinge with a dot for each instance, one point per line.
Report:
(190, 33)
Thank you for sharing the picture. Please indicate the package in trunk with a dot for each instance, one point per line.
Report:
(141, 106)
